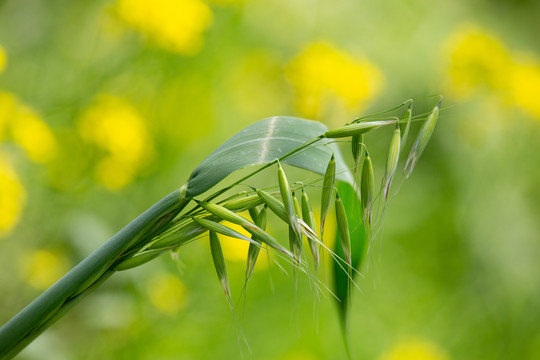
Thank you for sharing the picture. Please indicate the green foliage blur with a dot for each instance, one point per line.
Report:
(107, 106)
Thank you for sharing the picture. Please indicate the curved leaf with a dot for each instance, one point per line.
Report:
(263, 142)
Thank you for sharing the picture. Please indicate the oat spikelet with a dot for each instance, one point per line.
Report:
(357, 142)
(243, 202)
(328, 187)
(391, 161)
(343, 228)
(366, 189)
(357, 128)
(219, 263)
(422, 140)
(405, 123)
(287, 199)
(309, 219)
(274, 205)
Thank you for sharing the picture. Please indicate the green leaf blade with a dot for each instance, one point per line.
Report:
(262, 143)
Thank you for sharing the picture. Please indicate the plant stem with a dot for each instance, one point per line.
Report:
(88, 274)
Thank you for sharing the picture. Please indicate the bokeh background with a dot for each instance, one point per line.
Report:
(107, 106)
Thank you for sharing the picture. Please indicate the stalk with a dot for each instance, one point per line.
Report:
(86, 276)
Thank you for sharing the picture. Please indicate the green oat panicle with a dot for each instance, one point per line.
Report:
(357, 128)
(169, 224)
(343, 228)
(219, 263)
(422, 140)
(405, 123)
(391, 161)
(367, 189)
(328, 187)
(309, 219)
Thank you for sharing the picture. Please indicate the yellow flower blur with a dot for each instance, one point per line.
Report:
(42, 268)
(176, 25)
(27, 129)
(167, 293)
(479, 61)
(3, 59)
(415, 350)
(324, 76)
(525, 85)
(114, 125)
(34, 136)
(12, 197)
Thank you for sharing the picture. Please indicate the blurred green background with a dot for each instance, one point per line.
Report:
(107, 106)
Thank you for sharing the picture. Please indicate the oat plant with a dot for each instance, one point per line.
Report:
(202, 208)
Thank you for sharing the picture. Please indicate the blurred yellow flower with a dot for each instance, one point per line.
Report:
(525, 85)
(324, 76)
(34, 136)
(476, 59)
(167, 293)
(42, 268)
(3, 59)
(12, 197)
(177, 25)
(415, 350)
(27, 130)
(114, 125)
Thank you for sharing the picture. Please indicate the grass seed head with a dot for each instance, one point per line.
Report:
(357, 142)
(274, 205)
(219, 263)
(309, 219)
(220, 228)
(245, 202)
(367, 189)
(287, 199)
(357, 128)
(223, 213)
(405, 123)
(422, 140)
(343, 228)
(392, 161)
(328, 187)
(254, 214)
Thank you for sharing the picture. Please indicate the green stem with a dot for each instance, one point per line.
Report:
(44, 310)
(68, 305)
